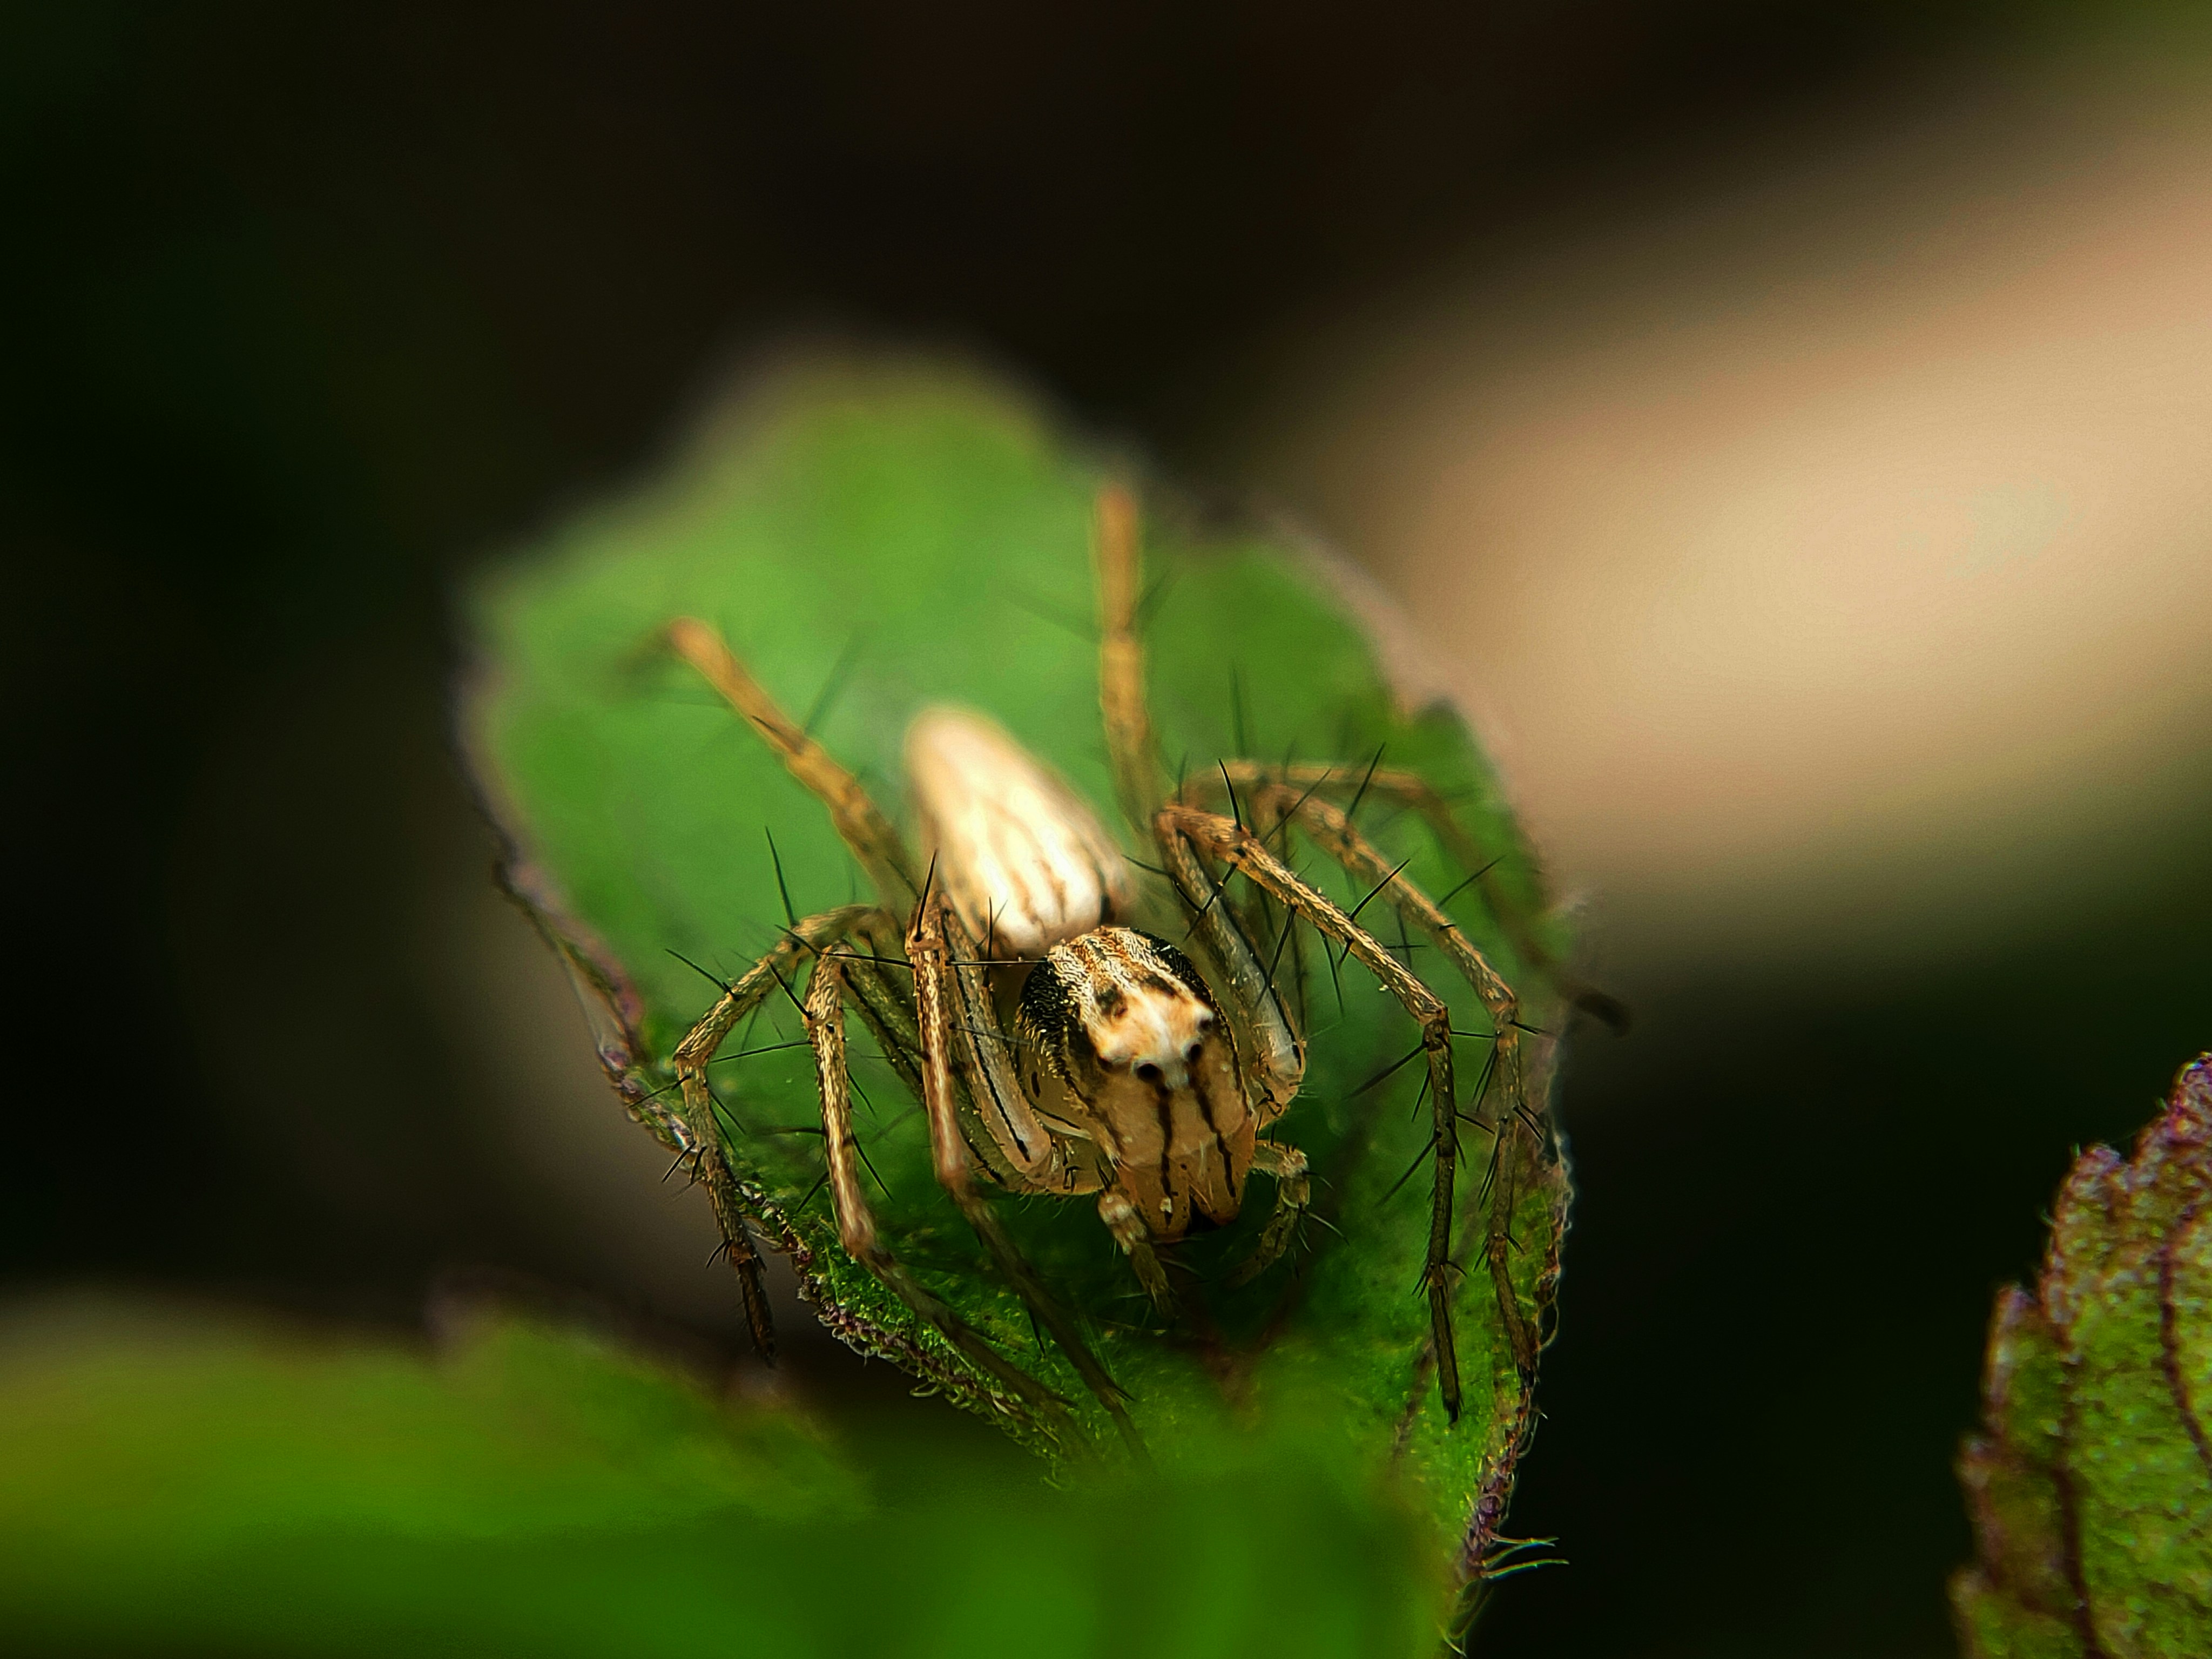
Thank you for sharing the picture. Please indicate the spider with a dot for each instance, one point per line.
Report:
(1057, 1048)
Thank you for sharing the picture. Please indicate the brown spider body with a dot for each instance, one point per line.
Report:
(1118, 1037)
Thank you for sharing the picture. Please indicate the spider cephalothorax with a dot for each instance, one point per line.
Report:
(1057, 1048)
(1123, 1025)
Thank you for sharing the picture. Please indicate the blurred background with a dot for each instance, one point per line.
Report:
(1787, 423)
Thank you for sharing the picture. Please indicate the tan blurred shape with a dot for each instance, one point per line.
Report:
(1827, 541)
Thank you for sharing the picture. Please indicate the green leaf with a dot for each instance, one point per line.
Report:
(875, 538)
(172, 1482)
(2091, 1485)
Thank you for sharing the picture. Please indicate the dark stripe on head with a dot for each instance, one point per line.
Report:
(1182, 967)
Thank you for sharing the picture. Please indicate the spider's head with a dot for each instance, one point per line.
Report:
(1125, 1002)
(1125, 1023)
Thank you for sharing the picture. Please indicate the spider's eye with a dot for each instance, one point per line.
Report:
(1190, 1054)
(1149, 1072)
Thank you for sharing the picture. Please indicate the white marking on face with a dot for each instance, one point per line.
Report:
(1157, 1034)
(1026, 864)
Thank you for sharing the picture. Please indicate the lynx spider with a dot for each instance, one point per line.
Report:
(1141, 1085)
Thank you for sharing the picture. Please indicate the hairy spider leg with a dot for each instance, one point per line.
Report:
(1023, 1143)
(1014, 1147)
(609, 1010)
(704, 1141)
(1273, 931)
(1294, 794)
(1119, 560)
(1416, 793)
(1232, 844)
(825, 1009)
(1031, 1157)
(891, 1018)
(1288, 1168)
(1331, 830)
(860, 823)
(929, 948)
(1267, 1038)
(1268, 1041)
(886, 1006)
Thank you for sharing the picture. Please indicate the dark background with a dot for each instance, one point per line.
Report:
(308, 312)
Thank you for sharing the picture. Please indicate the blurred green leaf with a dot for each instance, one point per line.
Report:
(170, 1482)
(2091, 1485)
(873, 538)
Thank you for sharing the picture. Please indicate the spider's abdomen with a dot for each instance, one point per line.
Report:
(1026, 864)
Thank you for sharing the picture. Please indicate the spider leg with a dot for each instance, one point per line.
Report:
(1119, 562)
(887, 1008)
(859, 821)
(1513, 1128)
(610, 1012)
(930, 949)
(1135, 1239)
(1231, 843)
(701, 1140)
(824, 1008)
(1308, 783)
(1259, 1019)
(1271, 1036)
(890, 1012)
(1332, 831)
(1264, 816)
(1293, 1195)
(1009, 1137)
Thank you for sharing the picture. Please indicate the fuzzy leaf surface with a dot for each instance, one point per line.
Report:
(2091, 1485)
